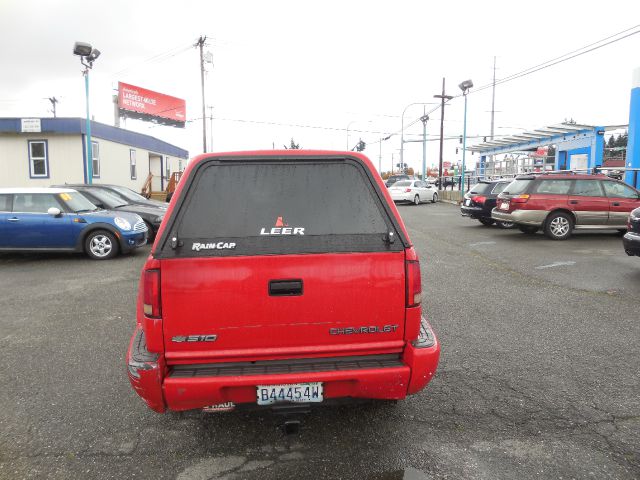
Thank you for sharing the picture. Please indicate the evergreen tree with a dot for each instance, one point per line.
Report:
(612, 142)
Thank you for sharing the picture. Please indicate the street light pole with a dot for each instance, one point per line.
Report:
(402, 129)
(464, 86)
(380, 152)
(424, 119)
(88, 129)
(87, 55)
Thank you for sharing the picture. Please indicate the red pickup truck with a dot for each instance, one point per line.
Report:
(280, 277)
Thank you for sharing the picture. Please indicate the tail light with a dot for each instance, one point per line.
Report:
(407, 190)
(414, 284)
(151, 296)
(520, 199)
(479, 199)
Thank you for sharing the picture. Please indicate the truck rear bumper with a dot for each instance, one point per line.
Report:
(188, 387)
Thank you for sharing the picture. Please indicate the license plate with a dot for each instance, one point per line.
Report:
(504, 206)
(296, 393)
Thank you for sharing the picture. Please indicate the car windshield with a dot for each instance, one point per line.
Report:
(76, 202)
(109, 200)
(480, 188)
(128, 194)
(518, 186)
(402, 183)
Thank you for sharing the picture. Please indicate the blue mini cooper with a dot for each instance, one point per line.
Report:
(60, 219)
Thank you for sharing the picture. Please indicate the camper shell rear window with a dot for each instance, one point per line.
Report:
(251, 207)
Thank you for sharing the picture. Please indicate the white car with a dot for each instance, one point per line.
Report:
(414, 191)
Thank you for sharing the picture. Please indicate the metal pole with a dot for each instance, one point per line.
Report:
(442, 98)
(380, 157)
(211, 127)
(424, 119)
(200, 43)
(493, 97)
(464, 142)
(88, 128)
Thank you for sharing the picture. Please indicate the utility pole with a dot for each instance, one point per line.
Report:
(53, 101)
(210, 126)
(200, 43)
(493, 97)
(442, 98)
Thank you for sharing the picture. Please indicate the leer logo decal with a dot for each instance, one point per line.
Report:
(197, 246)
(282, 228)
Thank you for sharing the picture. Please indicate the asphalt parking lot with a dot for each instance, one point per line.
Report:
(539, 375)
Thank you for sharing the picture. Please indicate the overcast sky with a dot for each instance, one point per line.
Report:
(309, 70)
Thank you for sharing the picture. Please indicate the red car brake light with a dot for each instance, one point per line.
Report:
(407, 190)
(414, 283)
(151, 295)
(480, 199)
(520, 199)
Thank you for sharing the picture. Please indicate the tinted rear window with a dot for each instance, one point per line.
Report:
(284, 208)
(481, 188)
(402, 183)
(499, 187)
(518, 186)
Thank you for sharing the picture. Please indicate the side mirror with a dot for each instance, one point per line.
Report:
(54, 212)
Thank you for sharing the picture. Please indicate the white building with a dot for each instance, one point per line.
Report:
(38, 152)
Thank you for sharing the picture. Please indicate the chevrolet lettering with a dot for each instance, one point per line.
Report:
(355, 330)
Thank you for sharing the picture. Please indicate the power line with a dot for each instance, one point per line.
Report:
(160, 57)
(561, 59)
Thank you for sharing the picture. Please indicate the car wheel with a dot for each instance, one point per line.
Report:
(528, 229)
(506, 225)
(416, 200)
(434, 199)
(101, 245)
(558, 226)
(487, 222)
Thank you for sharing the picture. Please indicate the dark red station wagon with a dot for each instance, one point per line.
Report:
(560, 203)
(280, 277)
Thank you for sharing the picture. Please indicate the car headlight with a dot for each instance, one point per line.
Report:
(159, 219)
(122, 223)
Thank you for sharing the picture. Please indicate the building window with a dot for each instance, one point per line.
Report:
(179, 164)
(38, 159)
(132, 164)
(167, 168)
(95, 154)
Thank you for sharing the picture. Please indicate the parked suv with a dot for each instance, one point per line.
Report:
(263, 287)
(479, 202)
(631, 239)
(60, 219)
(560, 203)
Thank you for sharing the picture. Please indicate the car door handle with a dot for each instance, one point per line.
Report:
(285, 288)
(616, 204)
(573, 202)
(13, 219)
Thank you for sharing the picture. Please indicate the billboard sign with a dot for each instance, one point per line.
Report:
(143, 104)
